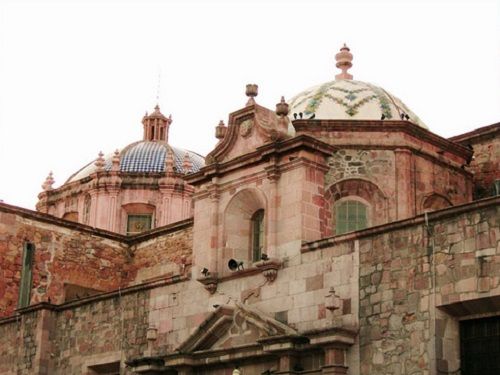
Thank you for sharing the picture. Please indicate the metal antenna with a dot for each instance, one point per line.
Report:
(158, 86)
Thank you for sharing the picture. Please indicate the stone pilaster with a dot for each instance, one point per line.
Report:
(405, 187)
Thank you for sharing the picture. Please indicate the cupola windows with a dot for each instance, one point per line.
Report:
(156, 126)
(138, 223)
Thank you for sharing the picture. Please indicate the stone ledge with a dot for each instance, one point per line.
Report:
(95, 298)
(395, 225)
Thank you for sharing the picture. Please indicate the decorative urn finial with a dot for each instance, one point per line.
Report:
(100, 162)
(220, 130)
(169, 161)
(282, 107)
(187, 166)
(116, 161)
(49, 181)
(252, 90)
(344, 62)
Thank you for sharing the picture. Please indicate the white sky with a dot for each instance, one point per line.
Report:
(77, 76)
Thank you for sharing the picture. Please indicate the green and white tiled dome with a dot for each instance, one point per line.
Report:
(346, 99)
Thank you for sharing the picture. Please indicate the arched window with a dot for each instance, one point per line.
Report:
(350, 215)
(257, 232)
(244, 235)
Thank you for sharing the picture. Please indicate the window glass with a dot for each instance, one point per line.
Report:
(350, 216)
(138, 223)
(26, 275)
(257, 234)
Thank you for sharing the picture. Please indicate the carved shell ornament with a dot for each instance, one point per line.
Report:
(246, 127)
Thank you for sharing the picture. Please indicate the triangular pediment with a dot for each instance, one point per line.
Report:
(248, 129)
(231, 326)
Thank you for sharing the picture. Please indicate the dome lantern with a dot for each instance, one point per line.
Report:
(344, 62)
(156, 126)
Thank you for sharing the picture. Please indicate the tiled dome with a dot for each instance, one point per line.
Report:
(144, 157)
(346, 99)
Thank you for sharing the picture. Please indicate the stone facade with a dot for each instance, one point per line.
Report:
(261, 280)
(391, 282)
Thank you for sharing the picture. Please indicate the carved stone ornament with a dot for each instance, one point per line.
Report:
(269, 268)
(210, 282)
(246, 127)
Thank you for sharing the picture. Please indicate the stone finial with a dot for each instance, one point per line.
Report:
(282, 107)
(344, 62)
(252, 90)
(220, 130)
(169, 161)
(100, 162)
(49, 181)
(116, 161)
(187, 166)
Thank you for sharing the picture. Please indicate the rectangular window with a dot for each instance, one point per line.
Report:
(257, 234)
(138, 223)
(26, 275)
(480, 346)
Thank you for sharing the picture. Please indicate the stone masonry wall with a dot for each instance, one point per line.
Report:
(408, 276)
(163, 256)
(81, 335)
(62, 255)
(96, 333)
(486, 166)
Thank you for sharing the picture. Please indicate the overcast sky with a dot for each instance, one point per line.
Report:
(77, 76)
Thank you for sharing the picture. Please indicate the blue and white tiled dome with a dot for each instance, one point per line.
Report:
(145, 157)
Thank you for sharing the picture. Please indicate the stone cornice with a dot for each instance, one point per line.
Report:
(396, 225)
(485, 132)
(263, 154)
(49, 219)
(128, 240)
(384, 126)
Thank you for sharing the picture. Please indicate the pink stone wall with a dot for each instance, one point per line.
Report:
(63, 255)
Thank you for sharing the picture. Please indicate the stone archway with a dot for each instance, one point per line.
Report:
(359, 189)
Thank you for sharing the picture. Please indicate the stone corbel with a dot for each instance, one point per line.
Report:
(210, 282)
(333, 301)
(269, 268)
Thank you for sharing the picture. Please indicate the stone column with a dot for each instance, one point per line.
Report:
(273, 177)
(113, 197)
(405, 196)
(335, 360)
(93, 207)
(214, 225)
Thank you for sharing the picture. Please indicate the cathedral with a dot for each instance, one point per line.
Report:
(333, 234)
